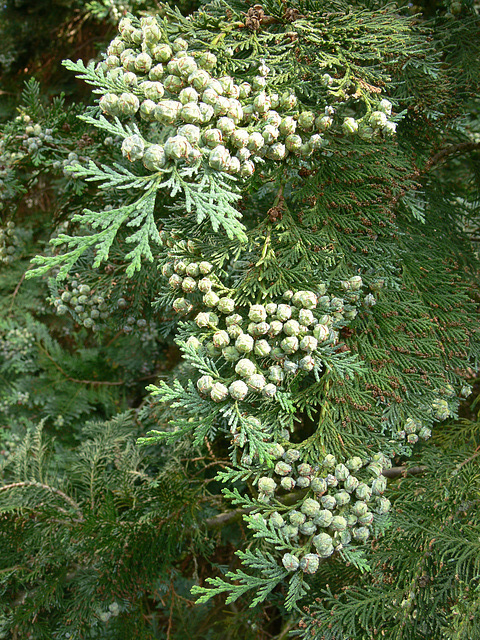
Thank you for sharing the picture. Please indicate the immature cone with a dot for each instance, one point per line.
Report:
(226, 305)
(269, 391)
(128, 104)
(189, 285)
(308, 528)
(350, 125)
(341, 472)
(109, 104)
(205, 268)
(287, 483)
(202, 320)
(238, 390)
(181, 305)
(210, 299)
(267, 485)
(244, 343)
(307, 363)
(219, 392)
(319, 485)
(205, 285)
(221, 339)
(323, 544)
(276, 450)
(234, 331)
(177, 147)
(283, 468)
(231, 354)
(147, 110)
(350, 484)
(293, 142)
(219, 158)
(256, 382)
(290, 562)
(167, 111)
(328, 502)
(361, 534)
(296, 518)
(292, 455)
(354, 464)
(310, 507)
(205, 384)
(276, 520)
(191, 132)
(310, 563)
(143, 63)
(324, 518)
(262, 348)
(245, 368)
(289, 345)
(275, 374)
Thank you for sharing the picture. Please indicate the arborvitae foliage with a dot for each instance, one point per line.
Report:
(270, 213)
(423, 580)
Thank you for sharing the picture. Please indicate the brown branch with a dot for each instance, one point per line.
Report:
(93, 382)
(462, 147)
(396, 472)
(221, 519)
(170, 617)
(469, 459)
(47, 487)
(16, 291)
(290, 624)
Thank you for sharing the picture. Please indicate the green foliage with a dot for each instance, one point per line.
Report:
(239, 292)
(92, 518)
(426, 566)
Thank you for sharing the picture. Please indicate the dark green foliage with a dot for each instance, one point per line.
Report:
(423, 581)
(103, 518)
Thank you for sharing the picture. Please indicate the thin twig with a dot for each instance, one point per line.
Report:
(462, 147)
(47, 487)
(285, 631)
(93, 382)
(16, 291)
(472, 457)
(221, 519)
(170, 617)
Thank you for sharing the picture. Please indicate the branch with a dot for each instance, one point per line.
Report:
(94, 382)
(97, 383)
(396, 472)
(462, 147)
(222, 519)
(16, 291)
(47, 487)
(469, 459)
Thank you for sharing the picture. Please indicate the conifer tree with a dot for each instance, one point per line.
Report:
(269, 213)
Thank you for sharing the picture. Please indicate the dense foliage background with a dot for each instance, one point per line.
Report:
(103, 538)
